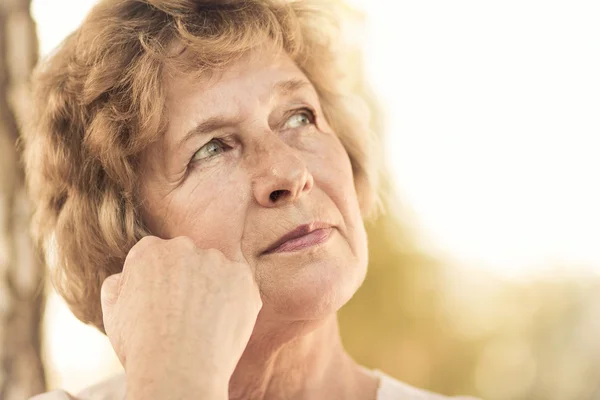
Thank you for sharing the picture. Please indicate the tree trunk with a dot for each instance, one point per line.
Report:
(21, 272)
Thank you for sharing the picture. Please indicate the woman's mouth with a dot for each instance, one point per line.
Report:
(302, 237)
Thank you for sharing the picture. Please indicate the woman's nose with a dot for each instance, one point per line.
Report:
(282, 176)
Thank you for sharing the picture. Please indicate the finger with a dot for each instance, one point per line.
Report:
(110, 292)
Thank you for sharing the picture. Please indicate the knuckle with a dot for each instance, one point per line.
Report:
(146, 243)
(141, 248)
(214, 255)
(133, 254)
(185, 242)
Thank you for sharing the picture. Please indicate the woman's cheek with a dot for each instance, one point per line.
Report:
(334, 162)
(211, 208)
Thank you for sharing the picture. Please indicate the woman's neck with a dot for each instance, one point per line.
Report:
(302, 360)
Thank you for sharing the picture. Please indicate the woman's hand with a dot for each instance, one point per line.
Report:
(179, 318)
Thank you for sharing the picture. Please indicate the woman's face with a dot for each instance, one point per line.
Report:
(248, 157)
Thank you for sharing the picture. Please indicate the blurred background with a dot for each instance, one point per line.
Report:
(485, 271)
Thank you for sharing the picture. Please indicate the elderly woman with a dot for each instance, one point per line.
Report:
(200, 175)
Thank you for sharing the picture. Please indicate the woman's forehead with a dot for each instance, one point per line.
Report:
(261, 69)
(252, 78)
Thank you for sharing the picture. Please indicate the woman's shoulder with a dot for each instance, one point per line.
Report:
(393, 389)
(109, 389)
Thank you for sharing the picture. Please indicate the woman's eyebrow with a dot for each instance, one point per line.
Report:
(209, 125)
(287, 87)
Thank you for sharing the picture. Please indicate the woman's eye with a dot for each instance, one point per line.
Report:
(210, 149)
(299, 119)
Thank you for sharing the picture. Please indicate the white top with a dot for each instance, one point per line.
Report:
(393, 389)
(114, 389)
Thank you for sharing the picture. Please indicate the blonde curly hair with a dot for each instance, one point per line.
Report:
(99, 103)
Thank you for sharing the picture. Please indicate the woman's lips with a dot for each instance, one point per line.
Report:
(312, 238)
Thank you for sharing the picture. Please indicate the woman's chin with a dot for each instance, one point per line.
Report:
(314, 296)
